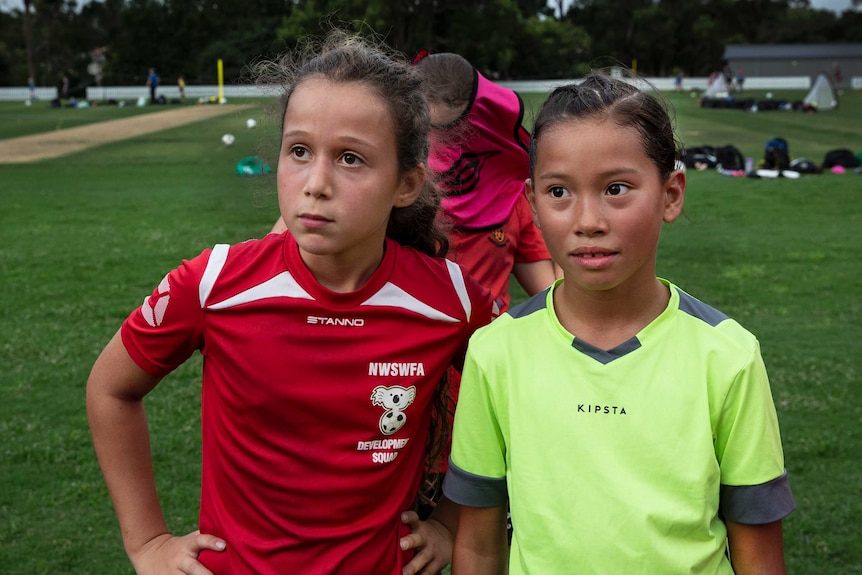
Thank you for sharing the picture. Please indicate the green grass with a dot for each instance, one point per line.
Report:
(84, 238)
(16, 119)
(809, 135)
(81, 240)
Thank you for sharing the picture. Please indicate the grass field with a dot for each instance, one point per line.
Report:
(84, 238)
(19, 120)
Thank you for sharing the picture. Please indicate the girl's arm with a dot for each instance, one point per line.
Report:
(118, 425)
(756, 549)
(481, 547)
(535, 276)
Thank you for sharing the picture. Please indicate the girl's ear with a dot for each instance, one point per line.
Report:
(411, 186)
(531, 197)
(674, 193)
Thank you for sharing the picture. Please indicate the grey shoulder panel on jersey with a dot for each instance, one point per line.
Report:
(696, 308)
(536, 303)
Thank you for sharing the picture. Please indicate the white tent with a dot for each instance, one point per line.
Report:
(822, 95)
(718, 88)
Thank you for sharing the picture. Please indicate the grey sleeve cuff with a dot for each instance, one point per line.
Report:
(472, 490)
(757, 504)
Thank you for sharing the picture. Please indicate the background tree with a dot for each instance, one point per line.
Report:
(550, 48)
(46, 25)
(13, 50)
(503, 38)
(26, 20)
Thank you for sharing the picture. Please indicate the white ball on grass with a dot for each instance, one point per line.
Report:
(228, 139)
(250, 123)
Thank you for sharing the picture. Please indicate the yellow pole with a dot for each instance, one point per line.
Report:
(220, 81)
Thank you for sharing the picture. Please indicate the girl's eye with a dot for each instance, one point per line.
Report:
(351, 159)
(298, 152)
(558, 192)
(617, 189)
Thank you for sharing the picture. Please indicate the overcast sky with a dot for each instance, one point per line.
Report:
(834, 5)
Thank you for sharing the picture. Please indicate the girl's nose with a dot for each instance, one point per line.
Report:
(317, 181)
(589, 216)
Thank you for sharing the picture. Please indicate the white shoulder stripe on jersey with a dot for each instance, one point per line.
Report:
(457, 276)
(393, 296)
(214, 266)
(282, 285)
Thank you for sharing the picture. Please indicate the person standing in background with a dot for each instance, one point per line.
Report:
(181, 85)
(727, 72)
(740, 79)
(153, 83)
(480, 158)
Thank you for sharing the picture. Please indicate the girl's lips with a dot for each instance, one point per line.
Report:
(313, 221)
(593, 259)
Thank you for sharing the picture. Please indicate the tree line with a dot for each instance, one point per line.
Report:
(115, 42)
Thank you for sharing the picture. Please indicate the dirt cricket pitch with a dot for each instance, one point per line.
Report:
(61, 142)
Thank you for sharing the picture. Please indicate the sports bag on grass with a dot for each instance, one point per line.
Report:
(842, 157)
(729, 158)
(776, 154)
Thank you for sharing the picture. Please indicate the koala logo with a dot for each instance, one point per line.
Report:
(394, 400)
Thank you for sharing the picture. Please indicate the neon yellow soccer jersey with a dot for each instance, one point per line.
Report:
(619, 461)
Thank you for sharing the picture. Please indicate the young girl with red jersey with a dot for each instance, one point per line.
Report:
(324, 347)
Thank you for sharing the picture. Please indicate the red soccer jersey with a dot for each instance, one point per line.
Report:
(316, 404)
(489, 255)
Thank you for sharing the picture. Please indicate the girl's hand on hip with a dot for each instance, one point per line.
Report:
(167, 554)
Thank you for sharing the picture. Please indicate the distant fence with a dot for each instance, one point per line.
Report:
(525, 86)
(668, 84)
(135, 92)
(23, 93)
(172, 92)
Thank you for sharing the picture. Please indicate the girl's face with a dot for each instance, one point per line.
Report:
(338, 174)
(600, 203)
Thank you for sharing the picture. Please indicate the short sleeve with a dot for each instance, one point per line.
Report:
(477, 467)
(168, 326)
(747, 442)
(754, 485)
